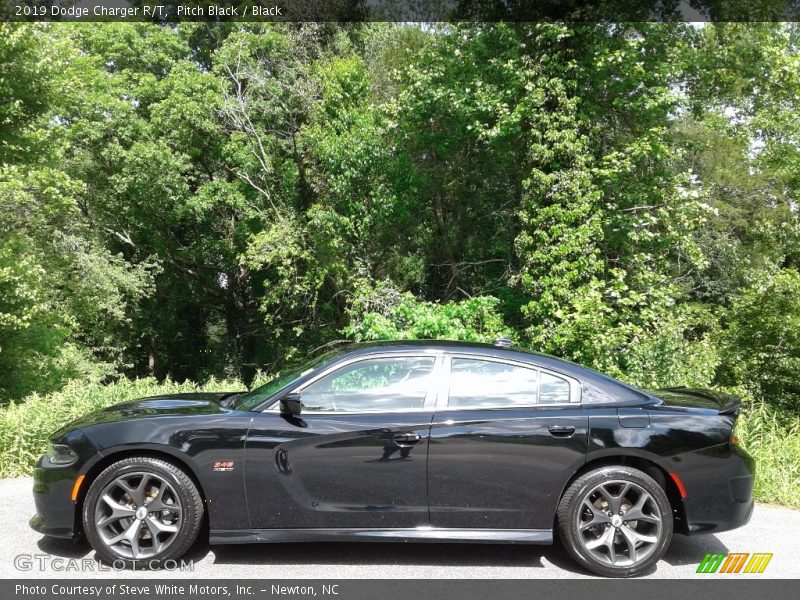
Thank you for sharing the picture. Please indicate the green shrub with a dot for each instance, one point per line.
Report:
(761, 344)
(382, 312)
(772, 437)
(26, 425)
(676, 351)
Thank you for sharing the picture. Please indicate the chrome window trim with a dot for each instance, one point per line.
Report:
(428, 405)
(443, 392)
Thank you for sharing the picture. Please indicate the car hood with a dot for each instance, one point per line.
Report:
(200, 403)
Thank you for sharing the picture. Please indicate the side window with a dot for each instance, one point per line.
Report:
(482, 383)
(372, 385)
(476, 383)
(552, 389)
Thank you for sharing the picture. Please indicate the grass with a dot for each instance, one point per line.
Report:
(772, 437)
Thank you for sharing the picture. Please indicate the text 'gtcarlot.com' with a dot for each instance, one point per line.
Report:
(44, 562)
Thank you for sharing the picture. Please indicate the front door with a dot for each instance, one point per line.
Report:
(505, 439)
(355, 457)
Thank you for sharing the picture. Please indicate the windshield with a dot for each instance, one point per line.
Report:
(252, 399)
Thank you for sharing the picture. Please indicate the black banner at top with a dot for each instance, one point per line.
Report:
(400, 10)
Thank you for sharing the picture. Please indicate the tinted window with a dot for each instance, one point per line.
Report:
(372, 385)
(483, 383)
(552, 389)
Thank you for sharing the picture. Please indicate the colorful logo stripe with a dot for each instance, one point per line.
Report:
(758, 563)
(735, 562)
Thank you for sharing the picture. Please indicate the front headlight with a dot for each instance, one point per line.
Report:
(61, 454)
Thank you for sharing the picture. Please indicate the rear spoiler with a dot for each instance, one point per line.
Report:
(731, 408)
(725, 404)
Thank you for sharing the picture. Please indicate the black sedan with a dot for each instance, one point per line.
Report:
(404, 441)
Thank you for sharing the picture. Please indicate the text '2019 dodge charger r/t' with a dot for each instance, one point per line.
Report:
(404, 441)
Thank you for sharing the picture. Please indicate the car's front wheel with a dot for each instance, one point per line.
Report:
(141, 511)
(615, 521)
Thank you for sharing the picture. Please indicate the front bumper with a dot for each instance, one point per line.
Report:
(719, 488)
(52, 495)
(52, 487)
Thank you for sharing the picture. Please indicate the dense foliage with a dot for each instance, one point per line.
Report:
(199, 201)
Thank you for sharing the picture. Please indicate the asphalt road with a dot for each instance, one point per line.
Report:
(772, 529)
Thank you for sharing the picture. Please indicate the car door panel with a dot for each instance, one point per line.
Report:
(502, 468)
(498, 466)
(337, 471)
(332, 466)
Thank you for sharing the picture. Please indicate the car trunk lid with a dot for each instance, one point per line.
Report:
(724, 404)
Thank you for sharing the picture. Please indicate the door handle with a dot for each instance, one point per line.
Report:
(407, 438)
(561, 430)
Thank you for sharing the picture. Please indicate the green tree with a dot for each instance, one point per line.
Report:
(67, 301)
(762, 341)
(196, 200)
(607, 217)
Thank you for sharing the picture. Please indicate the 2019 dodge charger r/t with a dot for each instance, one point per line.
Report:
(404, 441)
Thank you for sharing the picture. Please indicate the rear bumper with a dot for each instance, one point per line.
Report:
(719, 488)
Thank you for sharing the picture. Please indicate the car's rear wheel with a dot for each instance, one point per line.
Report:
(141, 511)
(615, 521)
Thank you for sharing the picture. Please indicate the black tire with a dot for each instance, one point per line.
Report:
(619, 547)
(162, 485)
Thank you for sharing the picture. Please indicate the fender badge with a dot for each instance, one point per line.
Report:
(222, 465)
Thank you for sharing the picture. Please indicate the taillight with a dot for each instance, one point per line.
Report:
(734, 437)
(679, 484)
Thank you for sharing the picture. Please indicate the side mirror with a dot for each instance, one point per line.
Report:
(291, 404)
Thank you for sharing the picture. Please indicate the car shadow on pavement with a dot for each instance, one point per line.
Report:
(387, 553)
(343, 553)
(64, 548)
(683, 551)
(690, 550)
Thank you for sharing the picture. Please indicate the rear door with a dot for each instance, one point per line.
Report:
(505, 439)
(356, 456)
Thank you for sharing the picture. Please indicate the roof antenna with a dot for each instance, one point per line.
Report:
(502, 342)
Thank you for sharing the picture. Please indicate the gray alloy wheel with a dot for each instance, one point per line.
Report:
(615, 521)
(138, 515)
(141, 511)
(619, 523)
